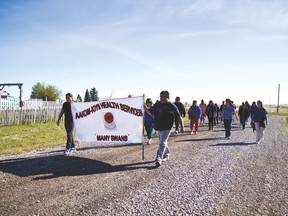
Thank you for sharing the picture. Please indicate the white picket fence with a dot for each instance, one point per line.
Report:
(8, 103)
(31, 112)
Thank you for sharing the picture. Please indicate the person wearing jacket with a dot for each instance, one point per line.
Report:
(211, 112)
(164, 113)
(148, 121)
(228, 113)
(260, 121)
(243, 113)
(194, 114)
(182, 111)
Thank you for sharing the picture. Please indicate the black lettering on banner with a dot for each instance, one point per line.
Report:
(112, 105)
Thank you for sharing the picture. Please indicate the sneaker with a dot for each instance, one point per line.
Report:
(66, 151)
(166, 157)
(192, 132)
(158, 163)
(196, 132)
(176, 131)
(228, 138)
(149, 141)
(73, 150)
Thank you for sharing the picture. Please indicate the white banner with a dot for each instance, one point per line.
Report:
(109, 121)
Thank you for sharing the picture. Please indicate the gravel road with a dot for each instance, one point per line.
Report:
(205, 175)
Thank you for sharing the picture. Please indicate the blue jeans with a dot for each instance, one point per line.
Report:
(227, 126)
(163, 149)
(149, 130)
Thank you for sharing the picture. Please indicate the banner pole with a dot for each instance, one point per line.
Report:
(143, 128)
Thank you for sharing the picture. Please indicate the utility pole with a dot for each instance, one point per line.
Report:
(278, 98)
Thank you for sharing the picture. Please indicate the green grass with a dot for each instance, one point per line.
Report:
(278, 114)
(282, 111)
(16, 139)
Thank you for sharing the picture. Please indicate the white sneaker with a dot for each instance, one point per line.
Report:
(176, 131)
(66, 151)
(73, 150)
(192, 132)
(166, 157)
(149, 141)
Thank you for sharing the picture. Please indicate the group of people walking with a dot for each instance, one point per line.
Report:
(164, 113)
(162, 116)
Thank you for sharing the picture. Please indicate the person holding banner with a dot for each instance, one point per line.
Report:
(164, 113)
(69, 126)
(148, 121)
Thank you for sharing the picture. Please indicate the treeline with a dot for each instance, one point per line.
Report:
(91, 95)
(52, 93)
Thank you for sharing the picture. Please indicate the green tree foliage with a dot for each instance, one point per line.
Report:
(94, 94)
(79, 98)
(87, 96)
(43, 91)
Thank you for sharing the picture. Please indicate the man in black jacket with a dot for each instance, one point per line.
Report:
(164, 113)
(182, 112)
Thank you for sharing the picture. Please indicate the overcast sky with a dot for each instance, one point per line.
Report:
(195, 49)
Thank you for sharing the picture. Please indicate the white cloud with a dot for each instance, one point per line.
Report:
(200, 7)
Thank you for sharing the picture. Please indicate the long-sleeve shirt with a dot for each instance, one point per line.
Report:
(194, 112)
(228, 112)
(260, 116)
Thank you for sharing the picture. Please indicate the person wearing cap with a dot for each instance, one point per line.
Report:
(164, 112)
(148, 121)
(68, 122)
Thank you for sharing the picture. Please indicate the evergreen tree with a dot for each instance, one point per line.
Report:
(94, 94)
(87, 96)
(79, 98)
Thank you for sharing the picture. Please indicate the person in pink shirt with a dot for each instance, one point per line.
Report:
(203, 108)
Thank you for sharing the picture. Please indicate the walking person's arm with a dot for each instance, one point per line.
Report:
(180, 123)
(60, 116)
(148, 110)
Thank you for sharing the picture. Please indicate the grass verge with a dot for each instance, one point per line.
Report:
(16, 139)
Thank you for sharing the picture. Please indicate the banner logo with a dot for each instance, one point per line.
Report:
(109, 122)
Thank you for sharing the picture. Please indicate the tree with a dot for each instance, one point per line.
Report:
(87, 96)
(79, 98)
(94, 94)
(49, 92)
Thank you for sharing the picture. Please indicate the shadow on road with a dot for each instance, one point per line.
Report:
(98, 146)
(199, 139)
(234, 144)
(60, 165)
